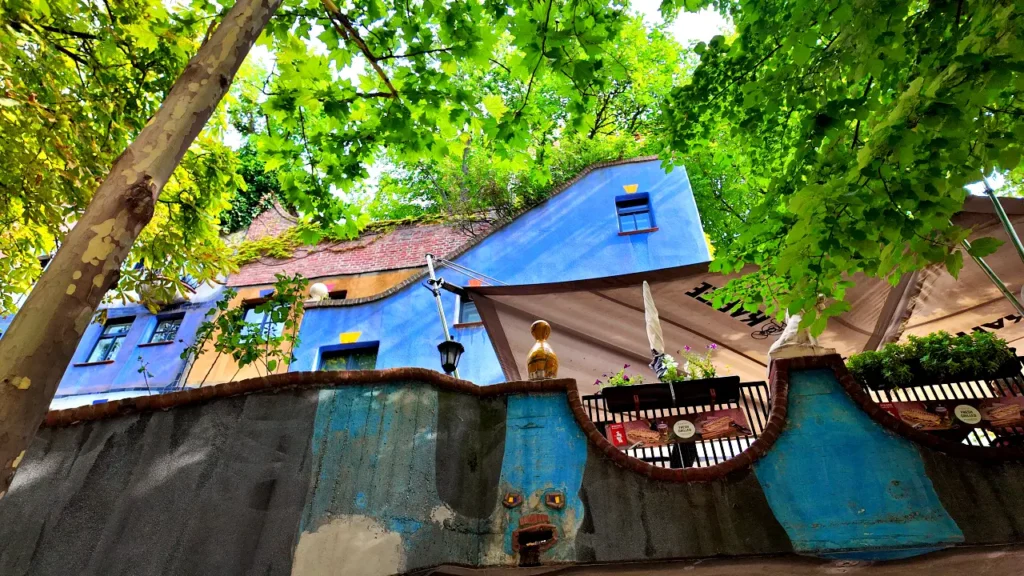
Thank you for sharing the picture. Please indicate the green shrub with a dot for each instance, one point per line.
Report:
(935, 358)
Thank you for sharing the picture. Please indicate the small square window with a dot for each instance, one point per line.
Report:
(110, 340)
(337, 294)
(468, 314)
(634, 212)
(358, 358)
(166, 328)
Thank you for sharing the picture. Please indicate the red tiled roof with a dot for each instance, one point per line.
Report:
(403, 247)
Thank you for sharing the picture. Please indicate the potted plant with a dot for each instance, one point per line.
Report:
(693, 382)
(937, 358)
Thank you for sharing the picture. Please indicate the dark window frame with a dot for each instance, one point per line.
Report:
(266, 327)
(110, 353)
(349, 351)
(162, 320)
(633, 210)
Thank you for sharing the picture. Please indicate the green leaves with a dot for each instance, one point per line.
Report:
(984, 246)
(495, 106)
(851, 133)
(81, 79)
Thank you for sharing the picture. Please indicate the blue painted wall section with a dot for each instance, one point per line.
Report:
(83, 384)
(844, 487)
(545, 457)
(571, 236)
(575, 234)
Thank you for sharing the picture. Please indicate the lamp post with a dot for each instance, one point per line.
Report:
(434, 284)
(450, 351)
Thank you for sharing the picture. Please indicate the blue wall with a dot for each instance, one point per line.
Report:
(163, 360)
(575, 234)
(881, 502)
(572, 236)
(121, 377)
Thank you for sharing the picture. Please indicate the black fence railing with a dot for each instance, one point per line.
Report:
(1010, 386)
(753, 399)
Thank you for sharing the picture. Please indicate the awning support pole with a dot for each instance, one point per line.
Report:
(1007, 225)
(995, 279)
(435, 287)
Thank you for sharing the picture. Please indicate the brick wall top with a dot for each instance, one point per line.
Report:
(404, 247)
(271, 223)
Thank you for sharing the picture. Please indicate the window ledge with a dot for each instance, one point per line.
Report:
(467, 324)
(77, 364)
(644, 231)
(148, 344)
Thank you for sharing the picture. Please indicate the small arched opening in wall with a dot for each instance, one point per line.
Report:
(688, 431)
(980, 419)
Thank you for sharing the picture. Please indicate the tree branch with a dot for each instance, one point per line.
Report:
(503, 67)
(543, 44)
(411, 54)
(349, 32)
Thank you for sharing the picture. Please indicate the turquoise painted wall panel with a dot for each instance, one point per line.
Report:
(838, 482)
(373, 498)
(545, 455)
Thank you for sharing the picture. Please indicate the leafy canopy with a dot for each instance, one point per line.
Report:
(859, 124)
(612, 114)
(362, 78)
(80, 79)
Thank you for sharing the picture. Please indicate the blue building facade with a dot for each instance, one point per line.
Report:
(579, 233)
(131, 352)
(619, 219)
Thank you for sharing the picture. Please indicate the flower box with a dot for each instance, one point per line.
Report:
(688, 393)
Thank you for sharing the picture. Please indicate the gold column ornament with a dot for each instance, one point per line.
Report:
(542, 362)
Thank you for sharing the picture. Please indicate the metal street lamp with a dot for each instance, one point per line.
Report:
(450, 351)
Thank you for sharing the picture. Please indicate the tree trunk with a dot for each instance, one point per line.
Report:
(44, 335)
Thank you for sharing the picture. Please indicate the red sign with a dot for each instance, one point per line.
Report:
(653, 432)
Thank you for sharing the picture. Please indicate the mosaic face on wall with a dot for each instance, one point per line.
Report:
(540, 510)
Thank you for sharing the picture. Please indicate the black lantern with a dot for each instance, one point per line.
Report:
(450, 351)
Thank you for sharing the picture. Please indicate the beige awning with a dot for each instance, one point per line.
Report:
(598, 325)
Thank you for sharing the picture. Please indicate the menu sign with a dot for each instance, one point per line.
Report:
(653, 432)
(948, 414)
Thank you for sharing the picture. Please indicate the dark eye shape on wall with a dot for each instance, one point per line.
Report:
(554, 500)
(512, 500)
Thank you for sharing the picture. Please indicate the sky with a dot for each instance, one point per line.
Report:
(688, 27)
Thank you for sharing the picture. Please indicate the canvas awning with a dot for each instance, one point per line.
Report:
(598, 325)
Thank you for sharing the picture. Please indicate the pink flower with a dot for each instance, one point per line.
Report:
(687, 348)
(597, 381)
(712, 346)
(624, 366)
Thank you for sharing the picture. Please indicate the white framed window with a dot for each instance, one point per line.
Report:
(466, 311)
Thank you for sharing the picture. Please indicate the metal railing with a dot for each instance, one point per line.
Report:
(754, 400)
(1008, 387)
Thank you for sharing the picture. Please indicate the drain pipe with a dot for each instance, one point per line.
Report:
(435, 287)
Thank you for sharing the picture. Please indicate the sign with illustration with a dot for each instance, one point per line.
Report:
(948, 414)
(654, 432)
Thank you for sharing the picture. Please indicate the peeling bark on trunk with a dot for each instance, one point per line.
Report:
(44, 335)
